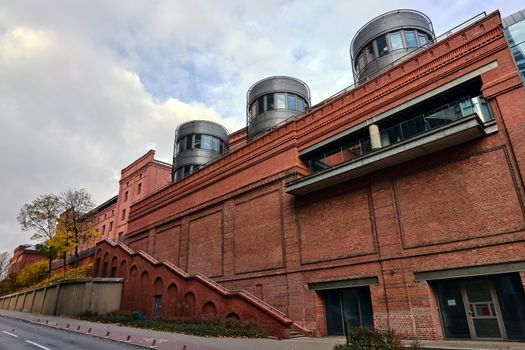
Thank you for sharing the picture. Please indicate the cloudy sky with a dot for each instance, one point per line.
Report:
(88, 86)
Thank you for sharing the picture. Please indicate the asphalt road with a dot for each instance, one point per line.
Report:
(16, 335)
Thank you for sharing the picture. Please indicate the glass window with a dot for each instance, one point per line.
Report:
(187, 170)
(410, 37)
(253, 110)
(361, 61)
(222, 146)
(197, 142)
(188, 142)
(260, 105)
(423, 40)
(396, 41)
(515, 35)
(179, 173)
(182, 144)
(382, 46)
(206, 141)
(300, 104)
(269, 102)
(281, 101)
(196, 167)
(215, 144)
(291, 102)
(369, 53)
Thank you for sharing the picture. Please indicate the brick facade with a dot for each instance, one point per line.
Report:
(23, 255)
(235, 222)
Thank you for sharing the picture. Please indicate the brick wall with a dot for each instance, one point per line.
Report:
(460, 207)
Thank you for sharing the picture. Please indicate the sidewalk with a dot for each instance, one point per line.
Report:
(175, 341)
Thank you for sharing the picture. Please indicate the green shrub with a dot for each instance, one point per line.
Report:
(369, 338)
(204, 328)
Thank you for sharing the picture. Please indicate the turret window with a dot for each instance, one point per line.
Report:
(201, 141)
(280, 100)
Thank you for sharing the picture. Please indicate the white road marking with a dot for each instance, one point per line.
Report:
(11, 334)
(37, 345)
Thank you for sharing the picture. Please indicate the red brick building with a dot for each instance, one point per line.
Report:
(23, 255)
(142, 177)
(423, 234)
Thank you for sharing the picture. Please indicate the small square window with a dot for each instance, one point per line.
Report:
(110, 226)
(139, 188)
(126, 196)
(123, 214)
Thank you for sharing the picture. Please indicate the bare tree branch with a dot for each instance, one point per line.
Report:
(5, 258)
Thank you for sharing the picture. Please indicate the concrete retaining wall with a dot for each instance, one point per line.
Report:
(68, 298)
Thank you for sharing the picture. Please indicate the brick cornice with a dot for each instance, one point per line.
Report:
(267, 181)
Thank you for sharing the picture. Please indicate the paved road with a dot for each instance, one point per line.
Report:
(51, 337)
(16, 335)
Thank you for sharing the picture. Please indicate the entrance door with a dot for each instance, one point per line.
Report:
(482, 309)
(347, 309)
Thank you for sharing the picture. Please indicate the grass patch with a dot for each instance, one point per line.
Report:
(203, 328)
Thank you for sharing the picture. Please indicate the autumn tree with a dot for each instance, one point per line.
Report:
(77, 206)
(40, 217)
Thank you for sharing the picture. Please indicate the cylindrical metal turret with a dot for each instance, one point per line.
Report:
(273, 100)
(388, 38)
(196, 143)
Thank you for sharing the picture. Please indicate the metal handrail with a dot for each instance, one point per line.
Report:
(397, 133)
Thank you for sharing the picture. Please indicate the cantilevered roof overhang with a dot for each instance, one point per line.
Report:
(463, 130)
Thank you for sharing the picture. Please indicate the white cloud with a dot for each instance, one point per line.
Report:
(88, 86)
(71, 117)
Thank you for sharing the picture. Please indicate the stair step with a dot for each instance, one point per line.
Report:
(295, 334)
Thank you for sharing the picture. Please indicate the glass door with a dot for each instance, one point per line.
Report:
(482, 309)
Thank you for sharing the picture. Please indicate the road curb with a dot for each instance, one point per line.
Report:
(55, 325)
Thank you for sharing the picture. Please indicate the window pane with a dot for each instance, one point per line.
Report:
(188, 142)
(269, 102)
(411, 39)
(361, 61)
(382, 47)
(291, 102)
(215, 144)
(206, 141)
(422, 39)
(300, 104)
(197, 142)
(222, 147)
(260, 105)
(253, 110)
(281, 101)
(369, 53)
(396, 41)
(187, 169)
(182, 144)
